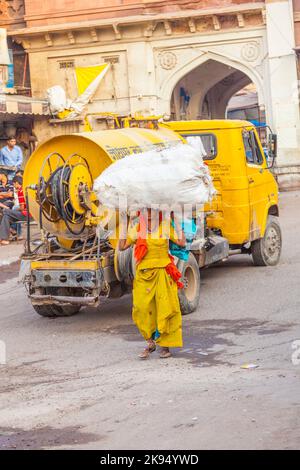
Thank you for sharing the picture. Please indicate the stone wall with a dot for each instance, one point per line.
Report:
(61, 11)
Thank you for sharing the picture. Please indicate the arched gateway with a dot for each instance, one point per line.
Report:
(209, 82)
(179, 59)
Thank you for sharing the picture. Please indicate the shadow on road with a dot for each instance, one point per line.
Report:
(44, 437)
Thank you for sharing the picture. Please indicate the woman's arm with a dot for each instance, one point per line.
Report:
(123, 244)
(179, 238)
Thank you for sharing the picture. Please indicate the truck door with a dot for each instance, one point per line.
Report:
(255, 165)
(208, 143)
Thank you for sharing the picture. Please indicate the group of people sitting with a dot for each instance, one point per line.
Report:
(12, 200)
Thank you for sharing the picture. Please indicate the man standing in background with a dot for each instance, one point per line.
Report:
(11, 156)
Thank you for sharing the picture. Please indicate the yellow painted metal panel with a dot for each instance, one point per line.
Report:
(65, 265)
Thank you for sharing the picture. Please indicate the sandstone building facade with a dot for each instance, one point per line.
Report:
(182, 59)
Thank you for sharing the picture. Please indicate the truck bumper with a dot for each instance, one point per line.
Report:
(65, 282)
(63, 300)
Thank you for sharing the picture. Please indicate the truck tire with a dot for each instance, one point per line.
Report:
(267, 250)
(56, 310)
(190, 295)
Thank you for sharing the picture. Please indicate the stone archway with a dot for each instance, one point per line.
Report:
(219, 94)
(208, 81)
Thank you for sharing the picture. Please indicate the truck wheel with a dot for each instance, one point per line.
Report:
(267, 250)
(189, 296)
(56, 310)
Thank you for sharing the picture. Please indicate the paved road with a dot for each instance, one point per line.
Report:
(77, 383)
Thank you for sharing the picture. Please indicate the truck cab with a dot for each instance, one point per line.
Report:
(245, 210)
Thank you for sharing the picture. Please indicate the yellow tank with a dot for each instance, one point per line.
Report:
(61, 171)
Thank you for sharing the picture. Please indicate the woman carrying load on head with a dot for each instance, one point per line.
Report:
(156, 309)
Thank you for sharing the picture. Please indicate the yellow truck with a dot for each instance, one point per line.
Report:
(73, 266)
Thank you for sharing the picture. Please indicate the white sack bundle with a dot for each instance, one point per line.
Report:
(57, 99)
(172, 177)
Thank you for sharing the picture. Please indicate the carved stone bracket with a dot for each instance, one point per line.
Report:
(168, 27)
(94, 35)
(240, 18)
(117, 32)
(216, 22)
(192, 25)
(149, 29)
(71, 37)
(24, 42)
(48, 39)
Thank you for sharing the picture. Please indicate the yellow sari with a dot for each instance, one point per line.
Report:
(156, 310)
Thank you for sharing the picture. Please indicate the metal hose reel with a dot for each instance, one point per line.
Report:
(44, 187)
(125, 265)
(60, 191)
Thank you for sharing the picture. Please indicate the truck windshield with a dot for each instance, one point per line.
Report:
(209, 142)
(252, 148)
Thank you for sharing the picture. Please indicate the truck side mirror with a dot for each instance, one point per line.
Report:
(272, 150)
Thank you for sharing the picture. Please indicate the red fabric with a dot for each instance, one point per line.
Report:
(140, 250)
(174, 273)
(22, 201)
(141, 247)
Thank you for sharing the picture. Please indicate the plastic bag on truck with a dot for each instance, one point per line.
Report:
(57, 99)
(170, 177)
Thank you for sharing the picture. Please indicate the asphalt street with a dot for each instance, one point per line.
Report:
(78, 383)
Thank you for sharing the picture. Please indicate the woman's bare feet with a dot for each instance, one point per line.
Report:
(165, 353)
(148, 350)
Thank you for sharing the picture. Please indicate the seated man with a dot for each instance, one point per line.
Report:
(6, 192)
(11, 216)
